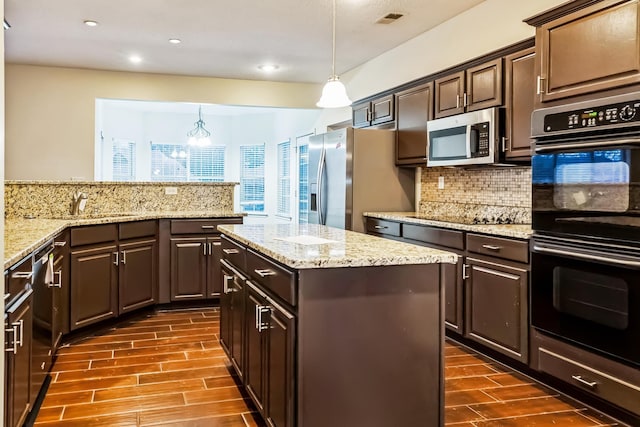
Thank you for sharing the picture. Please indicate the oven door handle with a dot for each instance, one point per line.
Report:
(590, 257)
(598, 144)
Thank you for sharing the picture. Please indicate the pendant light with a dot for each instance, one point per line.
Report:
(199, 136)
(334, 94)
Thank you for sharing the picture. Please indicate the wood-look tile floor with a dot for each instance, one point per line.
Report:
(167, 369)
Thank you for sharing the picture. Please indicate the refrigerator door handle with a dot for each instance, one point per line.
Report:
(321, 166)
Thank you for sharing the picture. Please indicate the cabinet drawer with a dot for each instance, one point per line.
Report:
(17, 279)
(200, 226)
(515, 250)
(271, 276)
(380, 226)
(94, 234)
(619, 391)
(132, 230)
(234, 253)
(436, 236)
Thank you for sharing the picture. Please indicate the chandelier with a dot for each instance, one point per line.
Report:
(334, 94)
(199, 136)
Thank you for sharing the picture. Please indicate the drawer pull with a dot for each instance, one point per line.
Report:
(231, 251)
(590, 384)
(42, 365)
(265, 272)
(208, 227)
(492, 247)
(22, 275)
(380, 227)
(59, 244)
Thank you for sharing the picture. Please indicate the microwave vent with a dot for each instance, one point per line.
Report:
(389, 18)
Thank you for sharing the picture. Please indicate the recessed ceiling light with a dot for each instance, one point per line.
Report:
(136, 59)
(268, 68)
(90, 23)
(175, 41)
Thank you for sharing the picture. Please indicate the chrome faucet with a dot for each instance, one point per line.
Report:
(78, 202)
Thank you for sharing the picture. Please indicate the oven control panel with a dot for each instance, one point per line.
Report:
(604, 115)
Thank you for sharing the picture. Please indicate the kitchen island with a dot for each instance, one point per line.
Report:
(327, 327)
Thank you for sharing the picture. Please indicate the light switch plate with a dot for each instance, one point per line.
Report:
(171, 190)
(441, 183)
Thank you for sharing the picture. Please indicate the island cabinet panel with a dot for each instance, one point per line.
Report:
(232, 314)
(592, 49)
(94, 285)
(309, 361)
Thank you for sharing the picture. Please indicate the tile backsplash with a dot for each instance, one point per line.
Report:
(53, 199)
(480, 195)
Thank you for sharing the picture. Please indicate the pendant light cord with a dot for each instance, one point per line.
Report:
(333, 42)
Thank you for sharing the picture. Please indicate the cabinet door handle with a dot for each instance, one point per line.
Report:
(465, 267)
(14, 347)
(19, 324)
(504, 144)
(265, 272)
(457, 101)
(217, 243)
(59, 244)
(225, 284)
(124, 257)
(208, 227)
(117, 255)
(22, 275)
(492, 247)
(257, 309)
(230, 251)
(263, 326)
(380, 227)
(57, 284)
(464, 102)
(539, 86)
(204, 249)
(590, 384)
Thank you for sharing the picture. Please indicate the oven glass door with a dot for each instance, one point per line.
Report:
(573, 189)
(588, 296)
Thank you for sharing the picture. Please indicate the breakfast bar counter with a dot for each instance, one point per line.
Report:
(327, 327)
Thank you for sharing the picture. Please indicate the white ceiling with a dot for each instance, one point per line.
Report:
(219, 38)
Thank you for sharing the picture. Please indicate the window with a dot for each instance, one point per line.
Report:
(303, 183)
(252, 178)
(206, 163)
(284, 179)
(176, 162)
(123, 160)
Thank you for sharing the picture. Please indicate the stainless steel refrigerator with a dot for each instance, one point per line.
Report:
(352, 171)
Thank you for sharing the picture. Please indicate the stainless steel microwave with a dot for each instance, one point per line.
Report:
(464, 139)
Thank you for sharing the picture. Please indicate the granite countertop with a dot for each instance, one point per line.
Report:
(306, 246)
(518, 231)
(23, 236)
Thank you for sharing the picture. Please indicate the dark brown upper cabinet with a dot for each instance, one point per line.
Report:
(472, 89)
(591, 49)
(414, 107)
(374, 112)
(519, 101)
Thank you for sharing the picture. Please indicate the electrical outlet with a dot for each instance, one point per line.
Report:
(171, 190)
(441, 183)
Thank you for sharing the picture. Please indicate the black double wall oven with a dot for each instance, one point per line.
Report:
(585, 262)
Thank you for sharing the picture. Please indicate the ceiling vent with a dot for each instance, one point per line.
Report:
(389, 18)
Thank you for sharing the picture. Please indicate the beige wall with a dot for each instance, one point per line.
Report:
(50, 111)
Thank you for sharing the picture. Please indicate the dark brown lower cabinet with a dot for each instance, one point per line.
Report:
(137, 271)
(496, 307)
(232, 302)
(94, 285)
(270, 353)
(18, 330)
(195, 268)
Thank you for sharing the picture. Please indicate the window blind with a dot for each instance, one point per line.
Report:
(284, 179)
(123, 160)
(252, 178)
